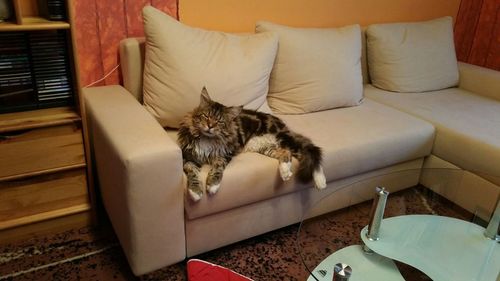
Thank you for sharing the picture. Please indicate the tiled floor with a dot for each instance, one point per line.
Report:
(94, 254)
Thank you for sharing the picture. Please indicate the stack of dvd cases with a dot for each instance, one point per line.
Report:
(52, 9)
(34, 70)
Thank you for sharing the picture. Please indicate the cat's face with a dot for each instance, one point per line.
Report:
(209, 120)
(212, 119)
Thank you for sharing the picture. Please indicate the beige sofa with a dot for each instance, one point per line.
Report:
(139, 164)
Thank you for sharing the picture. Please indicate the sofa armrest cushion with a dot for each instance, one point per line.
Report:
(479, 80)
(140, 177)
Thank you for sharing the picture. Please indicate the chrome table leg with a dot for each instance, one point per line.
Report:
(494, 224)
(377, 213)
(341, 272)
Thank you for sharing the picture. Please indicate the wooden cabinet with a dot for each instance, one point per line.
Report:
(45, 182)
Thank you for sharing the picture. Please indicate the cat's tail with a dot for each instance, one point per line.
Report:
(309, 156)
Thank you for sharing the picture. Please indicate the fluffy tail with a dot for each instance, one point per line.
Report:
(308, 154)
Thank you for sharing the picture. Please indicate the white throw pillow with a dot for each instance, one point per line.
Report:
(181, 60)
(412, 57)
(315, 68)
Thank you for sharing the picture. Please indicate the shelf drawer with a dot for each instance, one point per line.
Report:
(37, 150)
(30, 200)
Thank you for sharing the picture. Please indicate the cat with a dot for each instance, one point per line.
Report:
(214, 133)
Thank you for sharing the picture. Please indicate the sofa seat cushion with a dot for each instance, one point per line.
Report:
(467, 125)
(354, 140)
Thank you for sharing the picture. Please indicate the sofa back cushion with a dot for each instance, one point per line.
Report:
(315, 68)
(412, 57)
(132, 63)
(181, 60)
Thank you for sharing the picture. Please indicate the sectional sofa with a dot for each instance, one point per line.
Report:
(378, 133)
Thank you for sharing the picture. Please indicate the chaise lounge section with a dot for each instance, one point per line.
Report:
(467, 122)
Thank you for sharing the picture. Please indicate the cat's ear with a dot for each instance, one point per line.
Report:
(204, 98)
(234, 111)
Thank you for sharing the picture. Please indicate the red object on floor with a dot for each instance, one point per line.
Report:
(198, 270)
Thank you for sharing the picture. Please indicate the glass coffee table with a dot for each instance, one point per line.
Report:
(411, 234)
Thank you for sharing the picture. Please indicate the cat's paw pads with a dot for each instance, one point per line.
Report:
(286, 170)
(212, 189)
(319, 178)
(194, 196)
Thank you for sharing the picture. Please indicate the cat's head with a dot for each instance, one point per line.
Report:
(212, 119)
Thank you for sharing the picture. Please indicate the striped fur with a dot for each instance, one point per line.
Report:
(213, 133)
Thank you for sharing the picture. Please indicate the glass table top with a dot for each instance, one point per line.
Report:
(422, 236)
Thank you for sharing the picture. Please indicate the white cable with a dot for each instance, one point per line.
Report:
(106, 76)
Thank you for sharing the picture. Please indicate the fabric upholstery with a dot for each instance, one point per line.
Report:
(246, 221)
(181, 60)
(467, 125)
(412, 57)
(315, 69)
(354, 140)
(479, 80)
(137, 192)
(132, 65)
(478, 194)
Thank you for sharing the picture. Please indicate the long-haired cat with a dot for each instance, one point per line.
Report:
(213, 133)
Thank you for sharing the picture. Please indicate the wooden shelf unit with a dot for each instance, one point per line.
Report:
(45, 180)
(37, 119)
(33, 23)
(26, 16)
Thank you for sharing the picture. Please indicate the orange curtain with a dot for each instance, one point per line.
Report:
(477, 33)
(99, 27)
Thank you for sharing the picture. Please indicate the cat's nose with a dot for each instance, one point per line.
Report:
(209, 128)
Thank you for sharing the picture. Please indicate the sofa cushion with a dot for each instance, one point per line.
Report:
(315, 68)
(412, 57)
(180, 60)
(354, 140)
(467, 125)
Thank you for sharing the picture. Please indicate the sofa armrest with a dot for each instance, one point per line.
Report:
(140, 176)
(480, 80)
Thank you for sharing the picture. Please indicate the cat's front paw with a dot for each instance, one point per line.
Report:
(195, 193)
(195, 197)
(212, 189)
(213, 182)
(285, 169)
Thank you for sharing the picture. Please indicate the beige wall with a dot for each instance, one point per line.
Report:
(241, 15)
